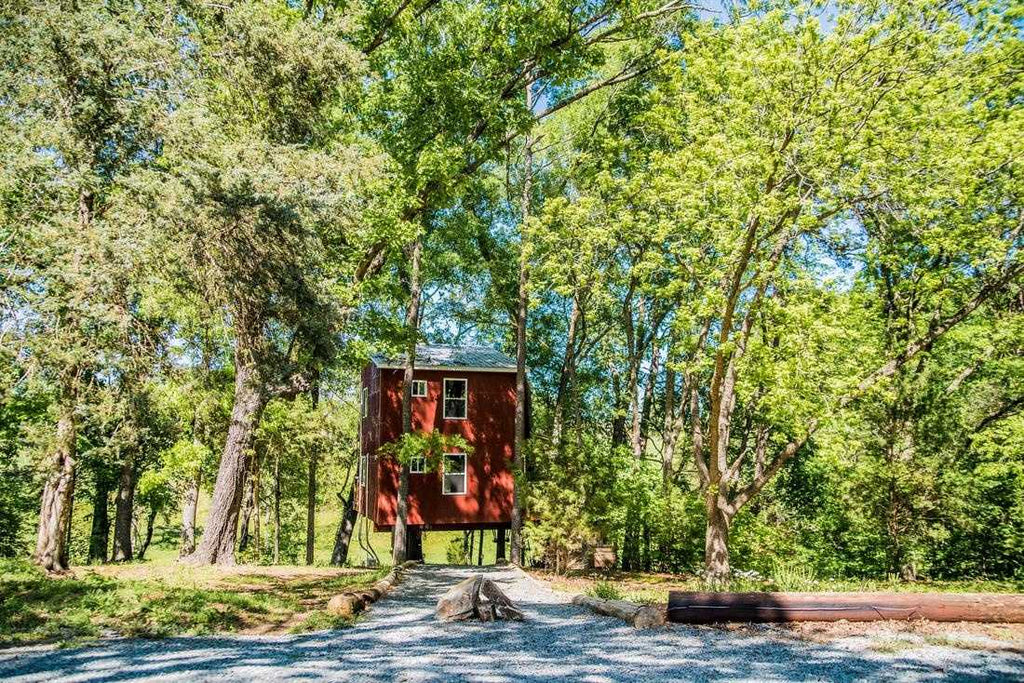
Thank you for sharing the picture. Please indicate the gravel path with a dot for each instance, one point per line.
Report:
(401, 641)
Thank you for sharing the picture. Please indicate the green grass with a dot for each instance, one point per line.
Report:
(152, 602)
(605, 591)
(891, 646)
(653, 588)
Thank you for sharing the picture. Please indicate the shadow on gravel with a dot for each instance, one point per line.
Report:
(400, 640)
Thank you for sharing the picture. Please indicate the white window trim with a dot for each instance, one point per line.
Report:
(364, 461)
(444, 397)
(465, 475)
(419, 383)
(420, 461)
(366, 402)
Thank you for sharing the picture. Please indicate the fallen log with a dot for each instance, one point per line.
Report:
(707, 608)
(638, 616)
(352, 602)
(476, 598)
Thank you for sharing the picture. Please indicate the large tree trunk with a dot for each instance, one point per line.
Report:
(249, 501)
(345, 527)
(519, 439)
(190, 503)
(716, 541)
(99, 538)
(123, 509)
(412, 322)
(55, 511)
(218, 543)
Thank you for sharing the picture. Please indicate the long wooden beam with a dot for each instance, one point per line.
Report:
(707, 608)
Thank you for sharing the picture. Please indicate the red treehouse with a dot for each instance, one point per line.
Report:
(457, 390)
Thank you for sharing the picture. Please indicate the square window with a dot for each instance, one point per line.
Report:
(418, 465)
(456, 395)
(419, 388)
(453, 476)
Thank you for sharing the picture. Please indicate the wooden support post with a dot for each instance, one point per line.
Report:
(499, 553)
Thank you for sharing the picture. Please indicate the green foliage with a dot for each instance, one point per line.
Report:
(431, 446)
(773, 267)
(605, 591)
(456, 552)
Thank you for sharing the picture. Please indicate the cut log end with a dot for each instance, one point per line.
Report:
(637, 616)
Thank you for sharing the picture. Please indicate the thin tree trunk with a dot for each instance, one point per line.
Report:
(519, 441)
(310, 510)
(55, 510)
(619, 435)
(640, 426)
(150, 520)
(190, 505)
(218, 542)
(412, 319)
(345, 527)
(99, 538)
(480, 550)
(124, 507)
(671, 432)
(277, 508)
(568, 369)
(311, 487)
(257, 519)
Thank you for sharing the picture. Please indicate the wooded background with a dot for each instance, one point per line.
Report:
(763, 263)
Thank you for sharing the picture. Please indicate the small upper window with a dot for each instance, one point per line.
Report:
(453, 478)
(455, 399)
(366, 402)
(419, 387)
(418, 464)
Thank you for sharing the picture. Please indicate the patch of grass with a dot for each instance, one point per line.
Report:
(605, 590)
(322, 620)
(153, 602)
(954, 641)
(893, 645)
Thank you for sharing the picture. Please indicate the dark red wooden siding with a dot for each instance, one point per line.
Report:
(489, 426)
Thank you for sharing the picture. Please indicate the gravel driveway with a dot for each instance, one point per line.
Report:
(401, 641)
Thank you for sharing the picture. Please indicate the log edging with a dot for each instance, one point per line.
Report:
(352, 602)
(636, 615)
(706, 608)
